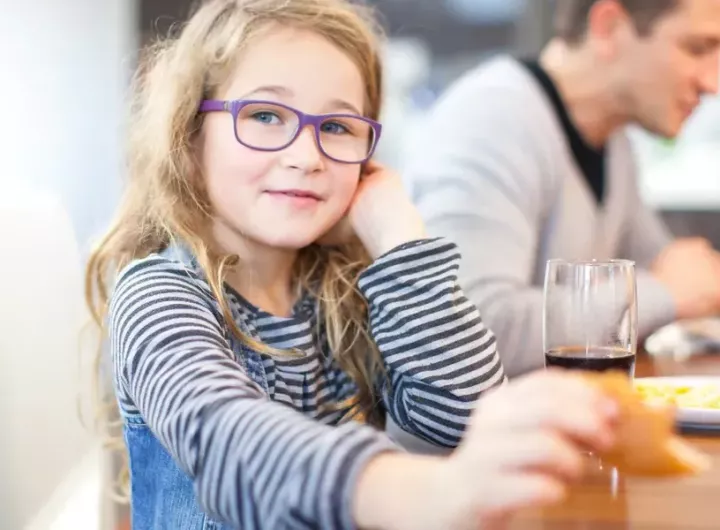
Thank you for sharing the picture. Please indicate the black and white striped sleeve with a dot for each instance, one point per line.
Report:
(255, 463)
(439, 355)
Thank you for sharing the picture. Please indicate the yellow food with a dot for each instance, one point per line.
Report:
(706, 396)
(646, 443)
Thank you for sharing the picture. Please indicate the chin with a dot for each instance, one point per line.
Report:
(289, 241)
(670, 127)
(668, 131)
(672, 130)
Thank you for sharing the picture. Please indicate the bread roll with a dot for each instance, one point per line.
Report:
(646, 443)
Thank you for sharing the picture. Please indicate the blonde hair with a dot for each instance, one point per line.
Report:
(165, 198)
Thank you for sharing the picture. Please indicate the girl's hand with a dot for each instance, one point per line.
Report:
(524, 446)
(522, 449)
(381, 214)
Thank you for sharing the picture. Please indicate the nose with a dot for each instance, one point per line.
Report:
(303, 153)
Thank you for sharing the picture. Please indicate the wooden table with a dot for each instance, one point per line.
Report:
(610, 502)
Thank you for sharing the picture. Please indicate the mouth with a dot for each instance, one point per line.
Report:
(295, 194)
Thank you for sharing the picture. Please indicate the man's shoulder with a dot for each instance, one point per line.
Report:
(499, 69)
(499, 97)
(493, 126)
(497, 102)
(500, 76)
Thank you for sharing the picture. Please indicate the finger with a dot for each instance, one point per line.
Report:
(374, 170)
(545, 452)
(523, 490)
(370, 168)
(535, 489)
(703, 243)
(372, 165)
(581, 420)
(496, 521)
(692, 242)
(554, 400)
(574, 388)
(715, 261)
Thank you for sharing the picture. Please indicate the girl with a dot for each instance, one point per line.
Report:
(256, 345)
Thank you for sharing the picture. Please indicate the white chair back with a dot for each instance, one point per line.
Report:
(45, 452)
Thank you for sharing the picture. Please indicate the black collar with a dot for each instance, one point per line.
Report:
(590, 160)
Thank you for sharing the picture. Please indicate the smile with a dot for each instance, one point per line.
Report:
(298, 197)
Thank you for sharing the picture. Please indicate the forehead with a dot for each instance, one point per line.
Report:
(313, 70)
(693, 17)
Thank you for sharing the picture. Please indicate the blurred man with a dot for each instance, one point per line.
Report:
(523, 161)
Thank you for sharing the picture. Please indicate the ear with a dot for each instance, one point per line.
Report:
(609, 24)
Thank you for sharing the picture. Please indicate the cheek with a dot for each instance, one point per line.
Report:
(678, 70)
(345, 184)
(232, 171)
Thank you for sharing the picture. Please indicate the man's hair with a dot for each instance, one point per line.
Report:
(571, 16)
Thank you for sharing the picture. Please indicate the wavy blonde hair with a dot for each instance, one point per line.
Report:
(165, 198)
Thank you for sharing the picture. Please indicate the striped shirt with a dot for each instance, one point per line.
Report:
(268, 451)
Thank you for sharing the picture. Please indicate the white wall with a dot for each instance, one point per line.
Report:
(683, 174)
(65, 66)
(41, 367)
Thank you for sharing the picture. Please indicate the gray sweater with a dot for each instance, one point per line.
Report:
(492, 171)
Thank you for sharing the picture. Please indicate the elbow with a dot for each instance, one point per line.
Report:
(436, 415)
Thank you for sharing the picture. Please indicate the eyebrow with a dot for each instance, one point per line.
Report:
(284, 91)
(706, 40)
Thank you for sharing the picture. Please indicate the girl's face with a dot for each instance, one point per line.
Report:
(283, 199)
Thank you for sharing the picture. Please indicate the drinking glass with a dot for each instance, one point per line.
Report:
(590, 315)
(590, 323)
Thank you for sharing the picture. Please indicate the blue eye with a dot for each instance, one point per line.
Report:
(266, 117)
(333, 127)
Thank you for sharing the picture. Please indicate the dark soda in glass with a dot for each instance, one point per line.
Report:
(595, 359)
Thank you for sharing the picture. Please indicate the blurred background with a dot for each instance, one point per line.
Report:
(66, 65)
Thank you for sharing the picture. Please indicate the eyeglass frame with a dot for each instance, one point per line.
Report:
(304, 119)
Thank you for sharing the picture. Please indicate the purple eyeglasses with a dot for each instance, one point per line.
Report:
(272, 126)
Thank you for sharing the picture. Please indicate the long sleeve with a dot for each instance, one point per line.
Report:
(438, 354)
(254, 463)
(644, 237)
(476, 186)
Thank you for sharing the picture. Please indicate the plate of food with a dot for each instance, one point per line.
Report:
(696, 399)
(686, 338)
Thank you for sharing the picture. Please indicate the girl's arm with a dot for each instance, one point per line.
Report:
(523, 448)
(440, 357)
(254, 463)
(259, 464)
